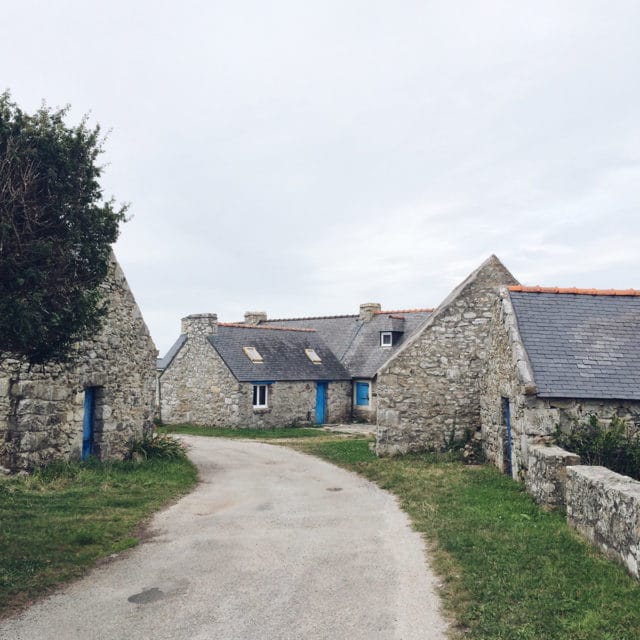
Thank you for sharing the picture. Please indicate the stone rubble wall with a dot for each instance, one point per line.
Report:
(547, 474)
(605, 508)
(198, 388)
(42, 406)
(431, 388)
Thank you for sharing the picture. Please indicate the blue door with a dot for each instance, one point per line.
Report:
(506, 419)
(87, 423)
(362, 394)
(321, 402)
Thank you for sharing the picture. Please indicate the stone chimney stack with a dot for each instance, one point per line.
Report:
(368, 309)
(255, 317)
(200, 325)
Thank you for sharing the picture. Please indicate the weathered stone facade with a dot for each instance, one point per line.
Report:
(605, 508)
(431, 388)
(41, 406)
(197, 387)
(547, 474)
(508, 376)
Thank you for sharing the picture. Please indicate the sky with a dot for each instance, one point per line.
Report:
(301, 158)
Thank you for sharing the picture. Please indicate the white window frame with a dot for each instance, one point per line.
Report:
(256, 396)
(383, 335)
(313, 356)
(253, 354)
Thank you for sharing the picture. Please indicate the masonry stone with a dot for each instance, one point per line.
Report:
(547, 474)
(41, 406)
(430, 390)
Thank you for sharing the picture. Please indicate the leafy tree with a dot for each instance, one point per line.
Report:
(56, 231)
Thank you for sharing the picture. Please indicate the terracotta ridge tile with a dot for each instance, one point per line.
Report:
(238, 325)
(379, 313)
(575, 290)
(350, 315)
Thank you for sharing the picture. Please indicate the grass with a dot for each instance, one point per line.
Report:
(250, 434)
(61, 520)
(510, 571)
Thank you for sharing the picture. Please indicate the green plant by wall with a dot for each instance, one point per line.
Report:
(614, 444)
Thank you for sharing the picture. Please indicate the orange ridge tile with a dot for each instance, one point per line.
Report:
(253, 326)
(575, 290)
(378, 313)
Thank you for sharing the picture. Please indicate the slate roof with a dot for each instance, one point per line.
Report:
(163, 363)
(356, 343)
(581, 345)
(282, 351)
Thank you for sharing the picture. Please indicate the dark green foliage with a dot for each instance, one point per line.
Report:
(55, 231)
(615, 445)
(158, 446)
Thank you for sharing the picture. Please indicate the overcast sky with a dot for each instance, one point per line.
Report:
(304, 157)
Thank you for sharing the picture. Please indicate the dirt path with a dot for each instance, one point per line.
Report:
(272, 544)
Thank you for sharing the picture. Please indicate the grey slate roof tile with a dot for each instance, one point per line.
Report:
(163, 363)
(355, 343)
(284, 358)
(581, 346)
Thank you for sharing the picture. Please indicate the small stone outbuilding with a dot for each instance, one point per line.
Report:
(429, 391)
(557, 356)
(93, 403)
(245, 375)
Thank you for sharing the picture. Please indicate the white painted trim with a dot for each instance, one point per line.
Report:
(384, 334)
(257, 395)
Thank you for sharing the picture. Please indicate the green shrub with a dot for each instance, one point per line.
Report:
(156, 446)
(614, 445)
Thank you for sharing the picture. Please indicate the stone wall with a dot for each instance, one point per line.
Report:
(41, 406)
(605, 508)
(547, 474)
(534, 420)
(431, 388)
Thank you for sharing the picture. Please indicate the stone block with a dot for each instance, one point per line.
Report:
(546, 476)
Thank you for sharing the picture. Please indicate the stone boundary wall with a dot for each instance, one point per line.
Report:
(547, 474)
(604, 506)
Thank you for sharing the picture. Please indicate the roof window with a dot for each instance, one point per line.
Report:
(386, 339)
(313, 356)
(253, 354)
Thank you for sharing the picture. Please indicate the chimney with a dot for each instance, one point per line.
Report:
(255, 317)
(368, 309)
(200, 325)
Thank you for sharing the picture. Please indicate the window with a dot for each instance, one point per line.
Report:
(253, 354)
(313, 356)
(386, 339)
(260, 396)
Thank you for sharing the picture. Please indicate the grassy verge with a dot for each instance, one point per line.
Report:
(509, 570)
(250, 434)
(58, 522)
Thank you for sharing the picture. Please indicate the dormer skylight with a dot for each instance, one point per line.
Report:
(386, 339)
(313, 356)
(253, 354)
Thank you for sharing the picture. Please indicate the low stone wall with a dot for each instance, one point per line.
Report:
(605, 507)
(547, 474)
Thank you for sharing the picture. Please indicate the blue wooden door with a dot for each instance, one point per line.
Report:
(362, 394)
(506, 418)
(87, 423)
(321, 402)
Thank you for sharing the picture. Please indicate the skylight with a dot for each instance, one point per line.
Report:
(253, 354)
(313, 356)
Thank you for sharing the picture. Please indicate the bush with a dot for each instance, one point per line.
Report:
(615, 445)
(156, 446)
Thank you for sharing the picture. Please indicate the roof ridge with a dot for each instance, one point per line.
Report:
(378, 313)
(575, 290)
(238, 325)
(349, 315)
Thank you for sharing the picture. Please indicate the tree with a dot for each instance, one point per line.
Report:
(55, 231)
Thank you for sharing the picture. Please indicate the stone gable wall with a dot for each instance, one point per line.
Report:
(431, 389)
(41, 406)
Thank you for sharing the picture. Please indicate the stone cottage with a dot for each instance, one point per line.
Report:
(556, 356)
(208, 377)
(430, 390)
(246, 375)
(362, 343)
(91, 404)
